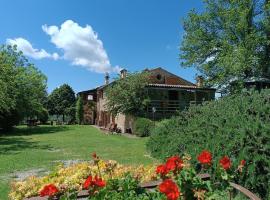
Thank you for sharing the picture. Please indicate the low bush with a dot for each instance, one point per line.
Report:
(237, 125)
(143, 127)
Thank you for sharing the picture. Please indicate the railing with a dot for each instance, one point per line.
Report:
(170, 106)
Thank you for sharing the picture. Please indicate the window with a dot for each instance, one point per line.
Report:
(159, 77)
(90, 97)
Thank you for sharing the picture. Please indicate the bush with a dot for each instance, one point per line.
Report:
(237, 125)
(143, 127)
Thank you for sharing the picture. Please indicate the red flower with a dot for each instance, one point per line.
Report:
(205, 157)
(99, 182)
(242, 162)
(174, 163)
(162, 170)
(88, 182)
(93, 182)
(48, 190)
(225, 162)
(170, 189)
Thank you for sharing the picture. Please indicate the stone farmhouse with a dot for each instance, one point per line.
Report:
(168, 92)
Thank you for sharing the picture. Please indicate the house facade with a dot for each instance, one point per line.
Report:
(168, 95)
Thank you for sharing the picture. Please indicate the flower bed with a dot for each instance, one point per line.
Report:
(73, 177)
(108, 180)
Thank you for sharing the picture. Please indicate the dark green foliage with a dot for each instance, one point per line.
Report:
(62, 102)
(126, 188)
(43, 116)
(228, 40)
(128, 95)
(22, 88)
(9, 119)
(143, 127)
(237, 126)
(79, 110)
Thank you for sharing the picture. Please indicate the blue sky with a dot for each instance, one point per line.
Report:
(76, 41)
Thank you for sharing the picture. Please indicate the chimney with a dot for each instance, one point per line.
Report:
(107, 78)
(200, 81)
(123, 73)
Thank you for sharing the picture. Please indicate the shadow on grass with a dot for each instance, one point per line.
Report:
(21, 131)
(12, 143)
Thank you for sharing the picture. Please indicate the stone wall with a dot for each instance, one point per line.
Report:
(125, 123)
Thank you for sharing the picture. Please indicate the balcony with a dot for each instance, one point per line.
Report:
(170, 106)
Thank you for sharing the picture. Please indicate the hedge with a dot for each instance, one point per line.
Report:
(237, 126)
(143, 127)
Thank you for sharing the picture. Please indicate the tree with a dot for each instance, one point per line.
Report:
(23, 87)
(43, 116)
(62, 101)
(79, 110)
(128, 95)
(228, 41)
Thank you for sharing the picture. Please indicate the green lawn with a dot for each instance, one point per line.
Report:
(33, 148)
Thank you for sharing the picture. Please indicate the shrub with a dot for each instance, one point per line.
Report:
(143, 127)
(237, 125)
(79, 110)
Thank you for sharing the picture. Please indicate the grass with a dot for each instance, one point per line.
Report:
(40, 147)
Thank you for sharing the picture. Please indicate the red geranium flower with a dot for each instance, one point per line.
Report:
(170, 189)
(243, 162)
(162, 170)
(225, 162)
(93, 182)
(48, 190)
(99, 182)
(88, 182)
(205, 157)
(174, 163)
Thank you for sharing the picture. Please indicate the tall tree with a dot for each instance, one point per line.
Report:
(23, 87)
(128, 95)
(79, 110)
(227, 40)
(266, 28)
(62, 101)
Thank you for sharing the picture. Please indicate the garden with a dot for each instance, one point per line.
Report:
(38, 150)
(216, 150)
(212, 165)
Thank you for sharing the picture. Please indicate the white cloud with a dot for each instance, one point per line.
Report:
(26, 47)
(81, 46)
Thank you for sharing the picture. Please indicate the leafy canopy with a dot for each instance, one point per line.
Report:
(62, 101)
(23, 87)
(128, 95)
(228, 41)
